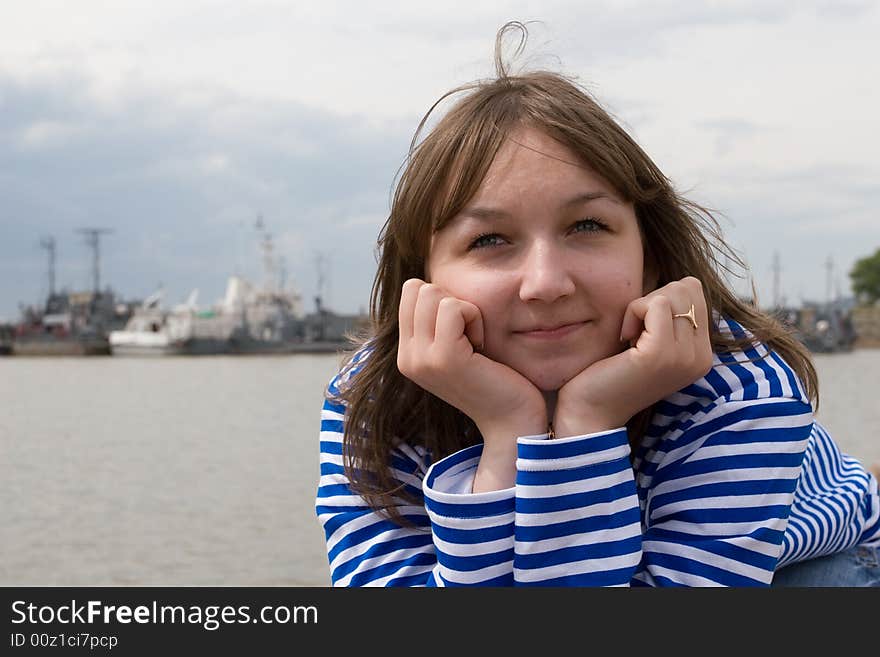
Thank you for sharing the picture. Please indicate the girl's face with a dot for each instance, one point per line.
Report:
(550, 254)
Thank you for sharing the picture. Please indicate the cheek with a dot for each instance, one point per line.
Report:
(488, 291)
(618, 282)
(483, 289)
(607, 293)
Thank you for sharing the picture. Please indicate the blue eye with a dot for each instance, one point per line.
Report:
(589, 225)
(485, 240)
(489, 240)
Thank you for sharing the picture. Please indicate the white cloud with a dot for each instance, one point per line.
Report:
(45, 134)
(768, 110)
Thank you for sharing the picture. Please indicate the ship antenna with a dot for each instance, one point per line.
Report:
(92, 239)
(282, 273)
(320, 264)
(269, 263)
(829, 269)
(777, 270)
(48, 243)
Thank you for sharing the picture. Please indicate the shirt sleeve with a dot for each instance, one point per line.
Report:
(366, 548)
(472, 532)
(715, 512)
(577, 512)
(710, 508)
(717, 509)
(452, 538)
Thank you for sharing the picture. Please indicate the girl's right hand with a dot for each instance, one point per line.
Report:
(438, 348)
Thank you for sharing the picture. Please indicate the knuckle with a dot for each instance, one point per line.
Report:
(434, 362)
(662, 302)
(415, 370)
(429, 291)
(447, 303)
(411, 285)
(694, 282)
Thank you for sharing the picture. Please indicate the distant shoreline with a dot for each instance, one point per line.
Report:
(866, 343)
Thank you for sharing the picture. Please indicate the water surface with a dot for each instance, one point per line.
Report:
(202, 471)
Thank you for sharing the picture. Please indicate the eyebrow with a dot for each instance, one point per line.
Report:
(487, 213)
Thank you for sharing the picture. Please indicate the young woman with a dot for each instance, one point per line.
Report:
(559, 388)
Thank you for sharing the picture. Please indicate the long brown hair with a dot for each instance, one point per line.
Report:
(441, 174)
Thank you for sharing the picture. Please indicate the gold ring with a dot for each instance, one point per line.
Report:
(690, 315)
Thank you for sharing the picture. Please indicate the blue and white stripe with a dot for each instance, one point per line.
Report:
(733, 480)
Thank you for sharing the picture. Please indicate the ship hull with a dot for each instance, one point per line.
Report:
(206, 347)
(95, 347)
(152, 344)
(290, 347)
(142, 350)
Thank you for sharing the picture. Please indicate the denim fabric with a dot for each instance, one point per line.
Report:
(857, 566)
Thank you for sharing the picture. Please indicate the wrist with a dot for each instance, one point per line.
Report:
(582, 419)
(500, 430)
(496, 471)
(497, 467)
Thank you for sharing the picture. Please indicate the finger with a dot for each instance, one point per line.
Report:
(473, 329)
(680, 304)
(701, 307)
(633, 318)
(696, 343)
(703, 345)
(425, 315)
(684, 295)
(457, 319)
(636, 317)
(658, 320)
(681, 294)
(409, 294)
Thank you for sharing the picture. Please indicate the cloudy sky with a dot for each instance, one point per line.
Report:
(175, 124)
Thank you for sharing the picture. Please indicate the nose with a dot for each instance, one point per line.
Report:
(545, 274)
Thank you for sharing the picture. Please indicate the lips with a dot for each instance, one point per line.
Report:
(552, 332)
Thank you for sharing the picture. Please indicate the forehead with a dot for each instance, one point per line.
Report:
(525, 143)
(532, 167)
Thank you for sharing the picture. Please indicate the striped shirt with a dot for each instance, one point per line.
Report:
(733, 480)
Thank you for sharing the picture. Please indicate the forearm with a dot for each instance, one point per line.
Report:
(577, 512)
(497, 468)
(473, 533)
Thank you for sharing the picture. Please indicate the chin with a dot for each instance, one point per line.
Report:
(549, 374)
(548, 378)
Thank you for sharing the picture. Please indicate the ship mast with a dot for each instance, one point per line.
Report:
(270, 265)
(829, 269)
(777, 269)
(48, 243)
(320, 264)
(92, 239)
(282, 272)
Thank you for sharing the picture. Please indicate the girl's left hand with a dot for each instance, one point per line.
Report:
(665, 355)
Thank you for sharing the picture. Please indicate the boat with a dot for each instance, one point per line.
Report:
(69, 324)
(248, 320)
(822, 328)
(151, 331)
(6, 333)
(251, 318)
